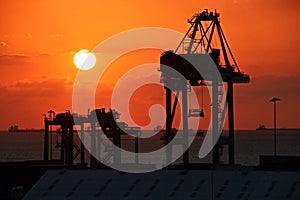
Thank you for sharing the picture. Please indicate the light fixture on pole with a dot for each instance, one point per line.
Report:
(274, 100)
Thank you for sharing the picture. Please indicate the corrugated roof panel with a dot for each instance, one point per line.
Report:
(167, 184)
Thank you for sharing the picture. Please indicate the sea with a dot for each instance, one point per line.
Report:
(249, 145)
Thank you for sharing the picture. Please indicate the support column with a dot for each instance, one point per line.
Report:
(82, 150)
(275, 142)
(98, 144)
(117, 142)
(63, 143)
(168, 122)
(51, 134)
(185, 123)
(230, 122)
(93, 145)
(46, 140)
(215, 121)
(136, 149)
(69, 146)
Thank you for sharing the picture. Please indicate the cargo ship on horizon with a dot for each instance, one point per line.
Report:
(15, 128)
(262, 127)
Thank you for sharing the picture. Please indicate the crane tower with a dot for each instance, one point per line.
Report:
(205, 36)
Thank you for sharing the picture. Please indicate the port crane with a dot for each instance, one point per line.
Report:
(96, 119)
(205, 29)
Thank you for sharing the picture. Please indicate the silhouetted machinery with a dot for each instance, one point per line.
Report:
(199, 40)
(112, 129)
(198, 43)
(66, 143)
(97, 120)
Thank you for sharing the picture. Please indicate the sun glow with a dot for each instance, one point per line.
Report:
(84, 60)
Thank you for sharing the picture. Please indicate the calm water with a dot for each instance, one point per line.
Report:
(248, 144)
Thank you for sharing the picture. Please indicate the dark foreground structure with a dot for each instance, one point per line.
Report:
(277, 178)
(227, 184)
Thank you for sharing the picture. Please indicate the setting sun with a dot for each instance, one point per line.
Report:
(84, 60)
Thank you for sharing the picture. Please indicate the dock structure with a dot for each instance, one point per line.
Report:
(96, 120)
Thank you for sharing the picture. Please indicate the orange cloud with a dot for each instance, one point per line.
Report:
(24, 101)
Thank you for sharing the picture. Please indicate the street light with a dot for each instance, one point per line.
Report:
(274, 100)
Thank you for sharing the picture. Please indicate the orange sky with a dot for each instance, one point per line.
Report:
(38, 40)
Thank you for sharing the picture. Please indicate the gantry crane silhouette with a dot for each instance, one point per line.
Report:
(96, 119)
(205, 36)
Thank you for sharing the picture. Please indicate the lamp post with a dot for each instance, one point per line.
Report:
(274, 100)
